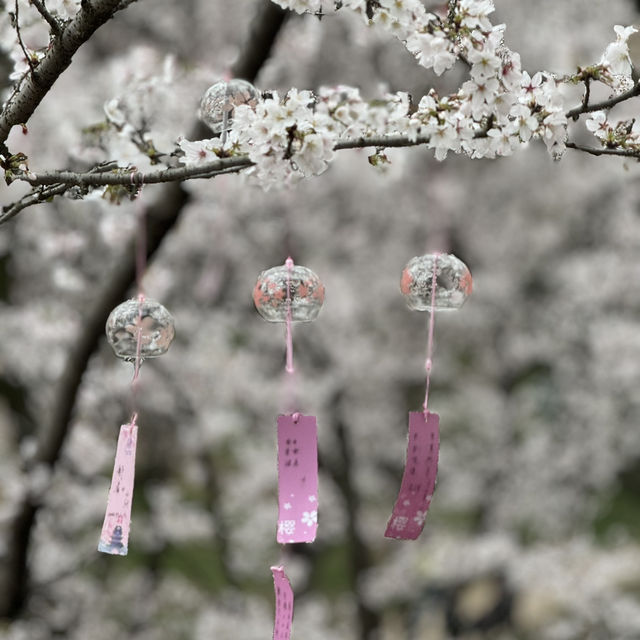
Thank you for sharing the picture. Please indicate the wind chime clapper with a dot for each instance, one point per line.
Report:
(432, 282)
(137, 329)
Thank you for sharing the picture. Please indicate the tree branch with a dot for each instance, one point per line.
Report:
(21, 105)
(60, 181)
(605, 104)
(44, 12)
(35, 197)
(625, 153)
(360, 554)
(175, 174)
(123, 177)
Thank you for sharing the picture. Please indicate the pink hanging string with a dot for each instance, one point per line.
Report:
(289, 366)
(141, 266)
(432, 318)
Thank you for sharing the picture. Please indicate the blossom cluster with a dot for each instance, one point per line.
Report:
(295, 137)
(499, 109)
(624, 135)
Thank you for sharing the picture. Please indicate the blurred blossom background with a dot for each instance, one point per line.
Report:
(534, 529)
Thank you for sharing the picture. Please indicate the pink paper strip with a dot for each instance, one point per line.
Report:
(117, 520)
(284, 605)
(297, 478)
(419, 478)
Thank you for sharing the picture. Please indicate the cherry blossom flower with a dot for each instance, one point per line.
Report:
(598, 124)
(616, 56)
(432, 52)
(525, 123)
(485, 64)
(198, 152)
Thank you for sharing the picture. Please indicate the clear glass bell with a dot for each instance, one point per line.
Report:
(219, 101)
(453, 282)
(306, 293)
(125, 321)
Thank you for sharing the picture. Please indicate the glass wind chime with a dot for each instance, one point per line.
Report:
(137, 329)
(433, 282)
(288, 294)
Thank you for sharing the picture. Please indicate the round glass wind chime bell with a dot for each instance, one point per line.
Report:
(221, 98)
(432, 282)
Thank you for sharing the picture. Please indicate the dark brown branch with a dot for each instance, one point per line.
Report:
(625, 153)
(35, 197)
(44, 12)
(605, 104)
(172, 174)
(360, 554)
(218, 167)
(207, 170)
(21, 105)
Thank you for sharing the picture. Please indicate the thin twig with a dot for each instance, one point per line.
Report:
(24, 49)
(21, 105)
(587, 92)
(605, 104)
(625, 153)
(35, 197)
(44, 12)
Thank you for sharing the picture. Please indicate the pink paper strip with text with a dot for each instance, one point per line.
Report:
(117, 521)
(419, 479)
(297, 478)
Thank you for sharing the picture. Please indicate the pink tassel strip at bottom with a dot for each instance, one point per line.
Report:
(284, 604)
(419, 478)
(117, 520)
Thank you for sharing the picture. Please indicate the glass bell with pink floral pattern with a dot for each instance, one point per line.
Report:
(306, 294)
(453, 282)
